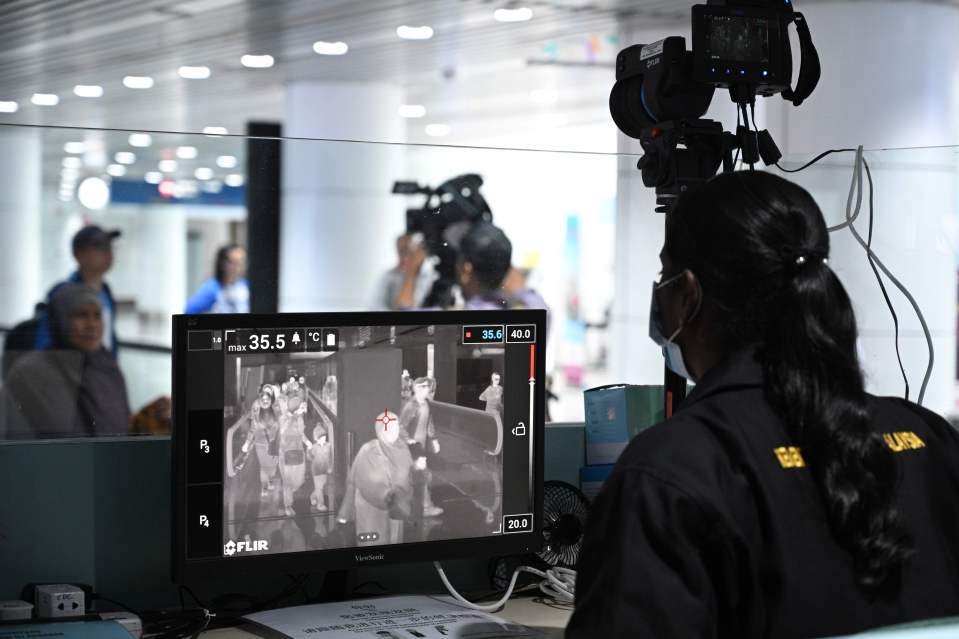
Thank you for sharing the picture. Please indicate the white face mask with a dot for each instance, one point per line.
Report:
(672, 353)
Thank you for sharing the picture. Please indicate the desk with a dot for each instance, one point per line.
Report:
(524, 610)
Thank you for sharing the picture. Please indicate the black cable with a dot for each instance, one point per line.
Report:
(98, 597)
(882, 286)
(869, 252)
(738, 146)
(752, 165)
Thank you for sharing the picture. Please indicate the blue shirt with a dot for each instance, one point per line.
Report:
(214, 297)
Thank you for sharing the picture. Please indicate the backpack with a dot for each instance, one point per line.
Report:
(21, 338)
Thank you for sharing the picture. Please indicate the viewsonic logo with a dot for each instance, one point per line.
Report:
(378, 557)
(230, 548)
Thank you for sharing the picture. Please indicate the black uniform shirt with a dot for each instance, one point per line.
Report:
(711, 526)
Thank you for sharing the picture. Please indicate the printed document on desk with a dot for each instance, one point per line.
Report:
(410, 617)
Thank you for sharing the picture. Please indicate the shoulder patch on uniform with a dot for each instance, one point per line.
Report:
(791, 456)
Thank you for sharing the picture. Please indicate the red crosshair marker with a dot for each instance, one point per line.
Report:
(386, 418)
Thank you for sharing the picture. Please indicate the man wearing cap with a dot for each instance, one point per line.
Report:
(93, 251)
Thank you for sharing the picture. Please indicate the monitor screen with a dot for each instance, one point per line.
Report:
(353, 438)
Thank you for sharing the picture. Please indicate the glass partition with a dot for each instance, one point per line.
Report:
(324, 231)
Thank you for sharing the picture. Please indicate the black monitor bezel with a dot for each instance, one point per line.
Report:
(185, 570)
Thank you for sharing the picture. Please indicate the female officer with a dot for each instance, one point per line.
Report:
(781, 500)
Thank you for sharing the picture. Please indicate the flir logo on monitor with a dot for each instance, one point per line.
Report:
(231, 547)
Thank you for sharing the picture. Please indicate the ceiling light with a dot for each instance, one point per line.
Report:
(214, 130)
(203, 173)
(234, 180)
(520, 14)
(45, 99)
(257, 61)
(94, 193)
(125, 157)
(88, 91)
(69, 174)
(8, 106)
(186, 152)
(153, 177)
(226, 162)
(414, 33)
(185, 188)
(117, 170)
(194, 73)
(138, 82)
(330, 48)
(74, 147)
(72, 163)
(412, 111)
(168, 166)
(140, 139)
(437, 130)
(167, 188)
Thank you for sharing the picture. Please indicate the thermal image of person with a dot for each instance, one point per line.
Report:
(418, 433)
(293, 445)
(262, 436)
(321, 459)
(379, 487)
(493, 395)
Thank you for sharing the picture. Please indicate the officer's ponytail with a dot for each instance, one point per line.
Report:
(759, 246)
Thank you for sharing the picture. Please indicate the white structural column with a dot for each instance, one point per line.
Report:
(20, 227)
(890, 79)
(339, 220)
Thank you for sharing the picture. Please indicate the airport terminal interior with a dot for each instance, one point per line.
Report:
(165, 160)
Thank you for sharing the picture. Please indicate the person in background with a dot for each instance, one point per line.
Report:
(379, 488)
(781, 499)
(321, 461)
(227, 291)
(485, 262)
(93, 251)
(408, 283)
(72, 389)
(417, 431)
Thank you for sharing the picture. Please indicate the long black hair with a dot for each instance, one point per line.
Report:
(759, 246)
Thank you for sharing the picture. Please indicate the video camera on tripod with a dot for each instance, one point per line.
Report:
(662, 91)
(448, 213)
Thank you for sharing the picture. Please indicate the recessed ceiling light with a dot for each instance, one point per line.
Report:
(88, 91)
(168, 166)
(414, 33)
(138, 82)
(8, 106)
(215, 130)
(74, 147)
(117, 170)
(194, 73)
(125, 157)
(226, 161)
(72, 162)
(437, 130)
(234, 180)
(257, 61)
(186, 152)
(520, 14)
(330, 48)
(412, 111)
(93, 193)
(153, 177)
(45, 99)
(140, 139)
(203, 173)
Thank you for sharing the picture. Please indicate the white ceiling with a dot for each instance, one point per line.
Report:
(474, 68)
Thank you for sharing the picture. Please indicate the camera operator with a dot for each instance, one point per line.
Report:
(781, 499)
(485, 261)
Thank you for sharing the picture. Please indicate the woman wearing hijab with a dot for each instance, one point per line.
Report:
(263, 434)
(73, 389)
(379, 488)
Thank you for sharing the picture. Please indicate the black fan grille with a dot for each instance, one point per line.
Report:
(564, 520)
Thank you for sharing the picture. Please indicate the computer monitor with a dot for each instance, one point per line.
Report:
(332, 440)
